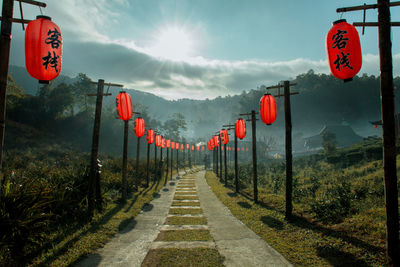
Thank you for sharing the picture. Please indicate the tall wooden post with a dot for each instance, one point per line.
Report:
(388, 122)
(155, 162)
(125, 161)
(167, 166)
(161, 164)
(148, 165)
(5, 44)
(226, 167)
(177, 162)
(95, 151)
(254, 145)
(190, 158)
(217, 161)
(172, 161)
(236, 166)
(288, 147)
(389, 139)
(220, 158)
(137, 162)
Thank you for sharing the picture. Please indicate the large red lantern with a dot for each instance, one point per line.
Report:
(43, 49)
(124, 106)
(163, 143)
(268, 109)
(139, 127)
(168, 143)
(343, 50)
(158, 140)
(240, 128)
(150, 136)
(224, 136)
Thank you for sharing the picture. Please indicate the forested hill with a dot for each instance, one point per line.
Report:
(323, 99)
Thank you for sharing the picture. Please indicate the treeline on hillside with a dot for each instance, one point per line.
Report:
(64, 113)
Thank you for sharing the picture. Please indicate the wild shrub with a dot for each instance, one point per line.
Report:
(335, 203)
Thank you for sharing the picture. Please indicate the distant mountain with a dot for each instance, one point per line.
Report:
(323, 100)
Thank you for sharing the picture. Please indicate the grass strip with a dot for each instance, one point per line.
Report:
(302, 242)
(93, 236)
(195, 257)
(184, 235)
(186, 221)
(195, 204)
(185, 197)
(185, 211)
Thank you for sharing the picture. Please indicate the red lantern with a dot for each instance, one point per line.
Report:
(172, 145)
(158, 140)
(43, 49)
(224, 136)
(177, 146)
(343, 50)
(150, 136)
(268, 109)
(240, 128)
(238, 149)
(202, 148)
(139, 127)
(163, 143)
(187, 146)
(124, 106)
(192, 147)
(212, 143)
(216, 140)
(198, 148)
(168, 143)
(182, 147)
(247, 149)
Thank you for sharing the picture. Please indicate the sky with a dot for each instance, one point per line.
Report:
(200, 49)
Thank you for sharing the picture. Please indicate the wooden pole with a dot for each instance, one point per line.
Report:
(177, 162)
(220, 158)
(155, 162)
(5, 44)
(125, 161)
(148, 165)
(161, 163)
(226, 167)
(172, 157)
(288, 147)
(167, 166)
(95, 150)
(137, 162)
(236, 166)
(388, 127)
(254, 144)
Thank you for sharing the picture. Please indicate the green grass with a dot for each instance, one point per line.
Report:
(186, 204)
(186, 221)
(92, 236)
(303, 241)
(195, 257)
(185, 197)
(185, 211)
(184, 235)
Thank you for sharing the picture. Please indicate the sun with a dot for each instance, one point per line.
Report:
(173, 43)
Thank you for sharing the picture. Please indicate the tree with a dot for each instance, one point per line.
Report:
(81, 88)
(329, 143)
(175, 125)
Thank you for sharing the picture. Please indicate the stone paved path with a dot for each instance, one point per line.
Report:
(236, 242)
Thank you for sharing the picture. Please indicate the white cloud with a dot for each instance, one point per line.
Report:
(88, 49)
